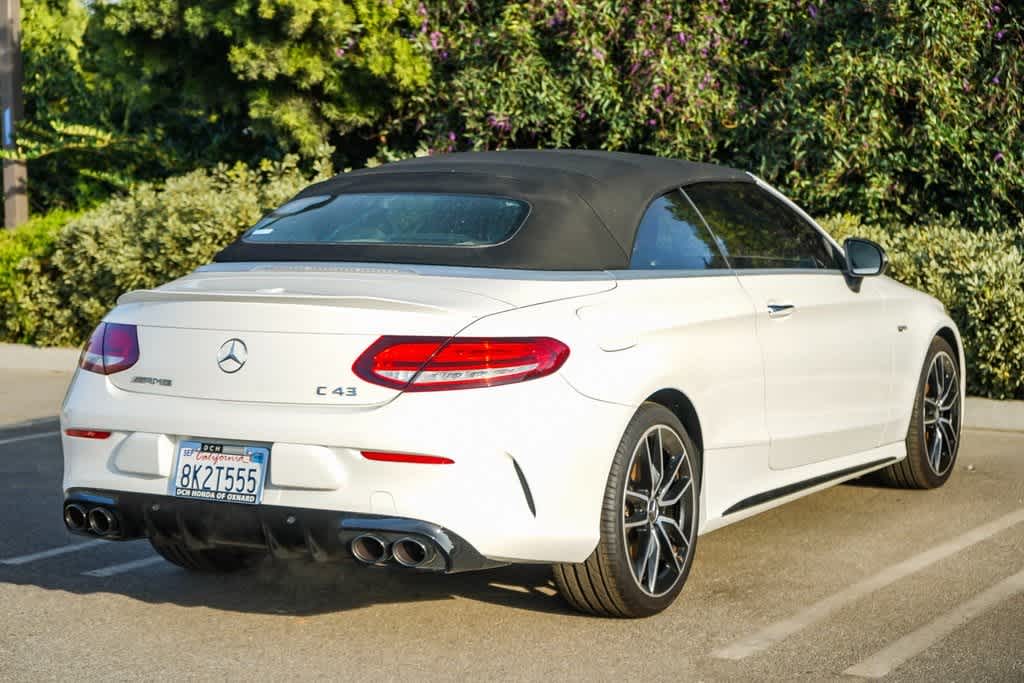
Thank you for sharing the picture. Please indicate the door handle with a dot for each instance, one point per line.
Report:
(780, 310)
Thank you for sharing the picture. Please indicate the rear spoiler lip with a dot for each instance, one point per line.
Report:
(345, 301)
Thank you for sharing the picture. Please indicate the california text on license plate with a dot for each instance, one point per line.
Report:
(230, 473)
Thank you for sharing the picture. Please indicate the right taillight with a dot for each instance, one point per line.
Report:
(440, 363)
(113, 347)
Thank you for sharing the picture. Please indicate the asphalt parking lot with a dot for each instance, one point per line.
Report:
(852, 583)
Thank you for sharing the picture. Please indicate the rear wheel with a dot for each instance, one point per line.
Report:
(933, 438)
(648, 523)
(213, 560)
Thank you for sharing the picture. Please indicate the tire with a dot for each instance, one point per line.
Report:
(211, 561)
(609, 583)
(930, 459)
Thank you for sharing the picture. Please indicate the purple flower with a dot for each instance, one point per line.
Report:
(598, 54)
(633, 69)
(435, 40)
(998, 157)
(813, 11)
(704, 52)
(338, 52)
(443, 54)
(995, 79)
(421, 10)
(745, 42)
(652, 123)
(966, 85)
(682, 38)
(656, 92)
(451, 135)
(997, 9)
(1000, 34)
(648, 52)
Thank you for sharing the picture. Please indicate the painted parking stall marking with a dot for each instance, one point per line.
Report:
(780, 630)
(115, 569)
(53, 552)
(28, 437)
(885, 660)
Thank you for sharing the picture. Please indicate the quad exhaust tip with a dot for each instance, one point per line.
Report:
(409, 552)
(369, 549)
(102, 521)
(75, 517)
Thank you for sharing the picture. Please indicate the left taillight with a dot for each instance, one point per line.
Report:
(113, 347)
(440, 363)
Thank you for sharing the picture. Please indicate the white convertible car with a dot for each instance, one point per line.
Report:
(578, 358)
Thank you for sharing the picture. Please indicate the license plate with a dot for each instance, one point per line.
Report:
(229, 473)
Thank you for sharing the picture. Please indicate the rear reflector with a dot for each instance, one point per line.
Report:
(113, 347)
(87, 433)
(440, 363)
(407, 457)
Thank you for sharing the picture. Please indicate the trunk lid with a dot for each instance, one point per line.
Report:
(301, 329)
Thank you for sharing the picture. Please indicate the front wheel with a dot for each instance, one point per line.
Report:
(933, 438)
(648, 523)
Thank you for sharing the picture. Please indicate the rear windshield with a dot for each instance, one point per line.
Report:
(449, 220)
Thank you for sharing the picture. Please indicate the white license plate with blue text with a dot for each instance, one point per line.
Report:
(221, 472)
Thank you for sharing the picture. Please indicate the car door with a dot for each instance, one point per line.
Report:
(824, 337)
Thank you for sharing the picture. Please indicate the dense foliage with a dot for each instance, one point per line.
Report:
(897, 110)
(155, 233)
(979, 276)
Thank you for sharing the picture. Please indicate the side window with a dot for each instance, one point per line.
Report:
(671, 236)
(755, 230)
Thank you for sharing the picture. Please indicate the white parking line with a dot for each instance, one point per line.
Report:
(53, 552)
(125, 567)
(26, 437)
(912, 644)
(780, 630)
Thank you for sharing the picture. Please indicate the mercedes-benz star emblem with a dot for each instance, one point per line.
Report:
(232, 355)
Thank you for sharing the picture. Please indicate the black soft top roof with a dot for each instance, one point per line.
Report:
(585, 207)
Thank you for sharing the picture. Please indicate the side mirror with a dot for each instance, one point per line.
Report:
(864, 258)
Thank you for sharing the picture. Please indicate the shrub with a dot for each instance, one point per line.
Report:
(978, 276)
(30, 242)
(156, 233)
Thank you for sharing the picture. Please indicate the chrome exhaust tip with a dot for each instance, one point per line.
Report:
(369, 549)
(102, 521)
(75, 517)
(410, 552)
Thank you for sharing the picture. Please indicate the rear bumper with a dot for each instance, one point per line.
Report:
(287, 533)
(531, 459)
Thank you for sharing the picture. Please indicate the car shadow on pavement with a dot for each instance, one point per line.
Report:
(303, 588)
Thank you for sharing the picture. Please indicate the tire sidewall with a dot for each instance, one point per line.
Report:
(917, 450)
(612, 539)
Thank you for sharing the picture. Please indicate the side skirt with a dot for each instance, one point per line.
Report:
(790, 489)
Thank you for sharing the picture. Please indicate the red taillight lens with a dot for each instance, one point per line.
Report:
(87, 433)
(113, 347)
(381, 456)
(439, 363)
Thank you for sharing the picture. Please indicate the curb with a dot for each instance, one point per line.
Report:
(34, 358)
(985, 413)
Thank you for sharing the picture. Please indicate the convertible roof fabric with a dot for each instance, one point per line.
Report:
(585, 207)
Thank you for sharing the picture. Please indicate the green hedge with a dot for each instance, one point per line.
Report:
(154, 234)
(979, 276)
(19, 250)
